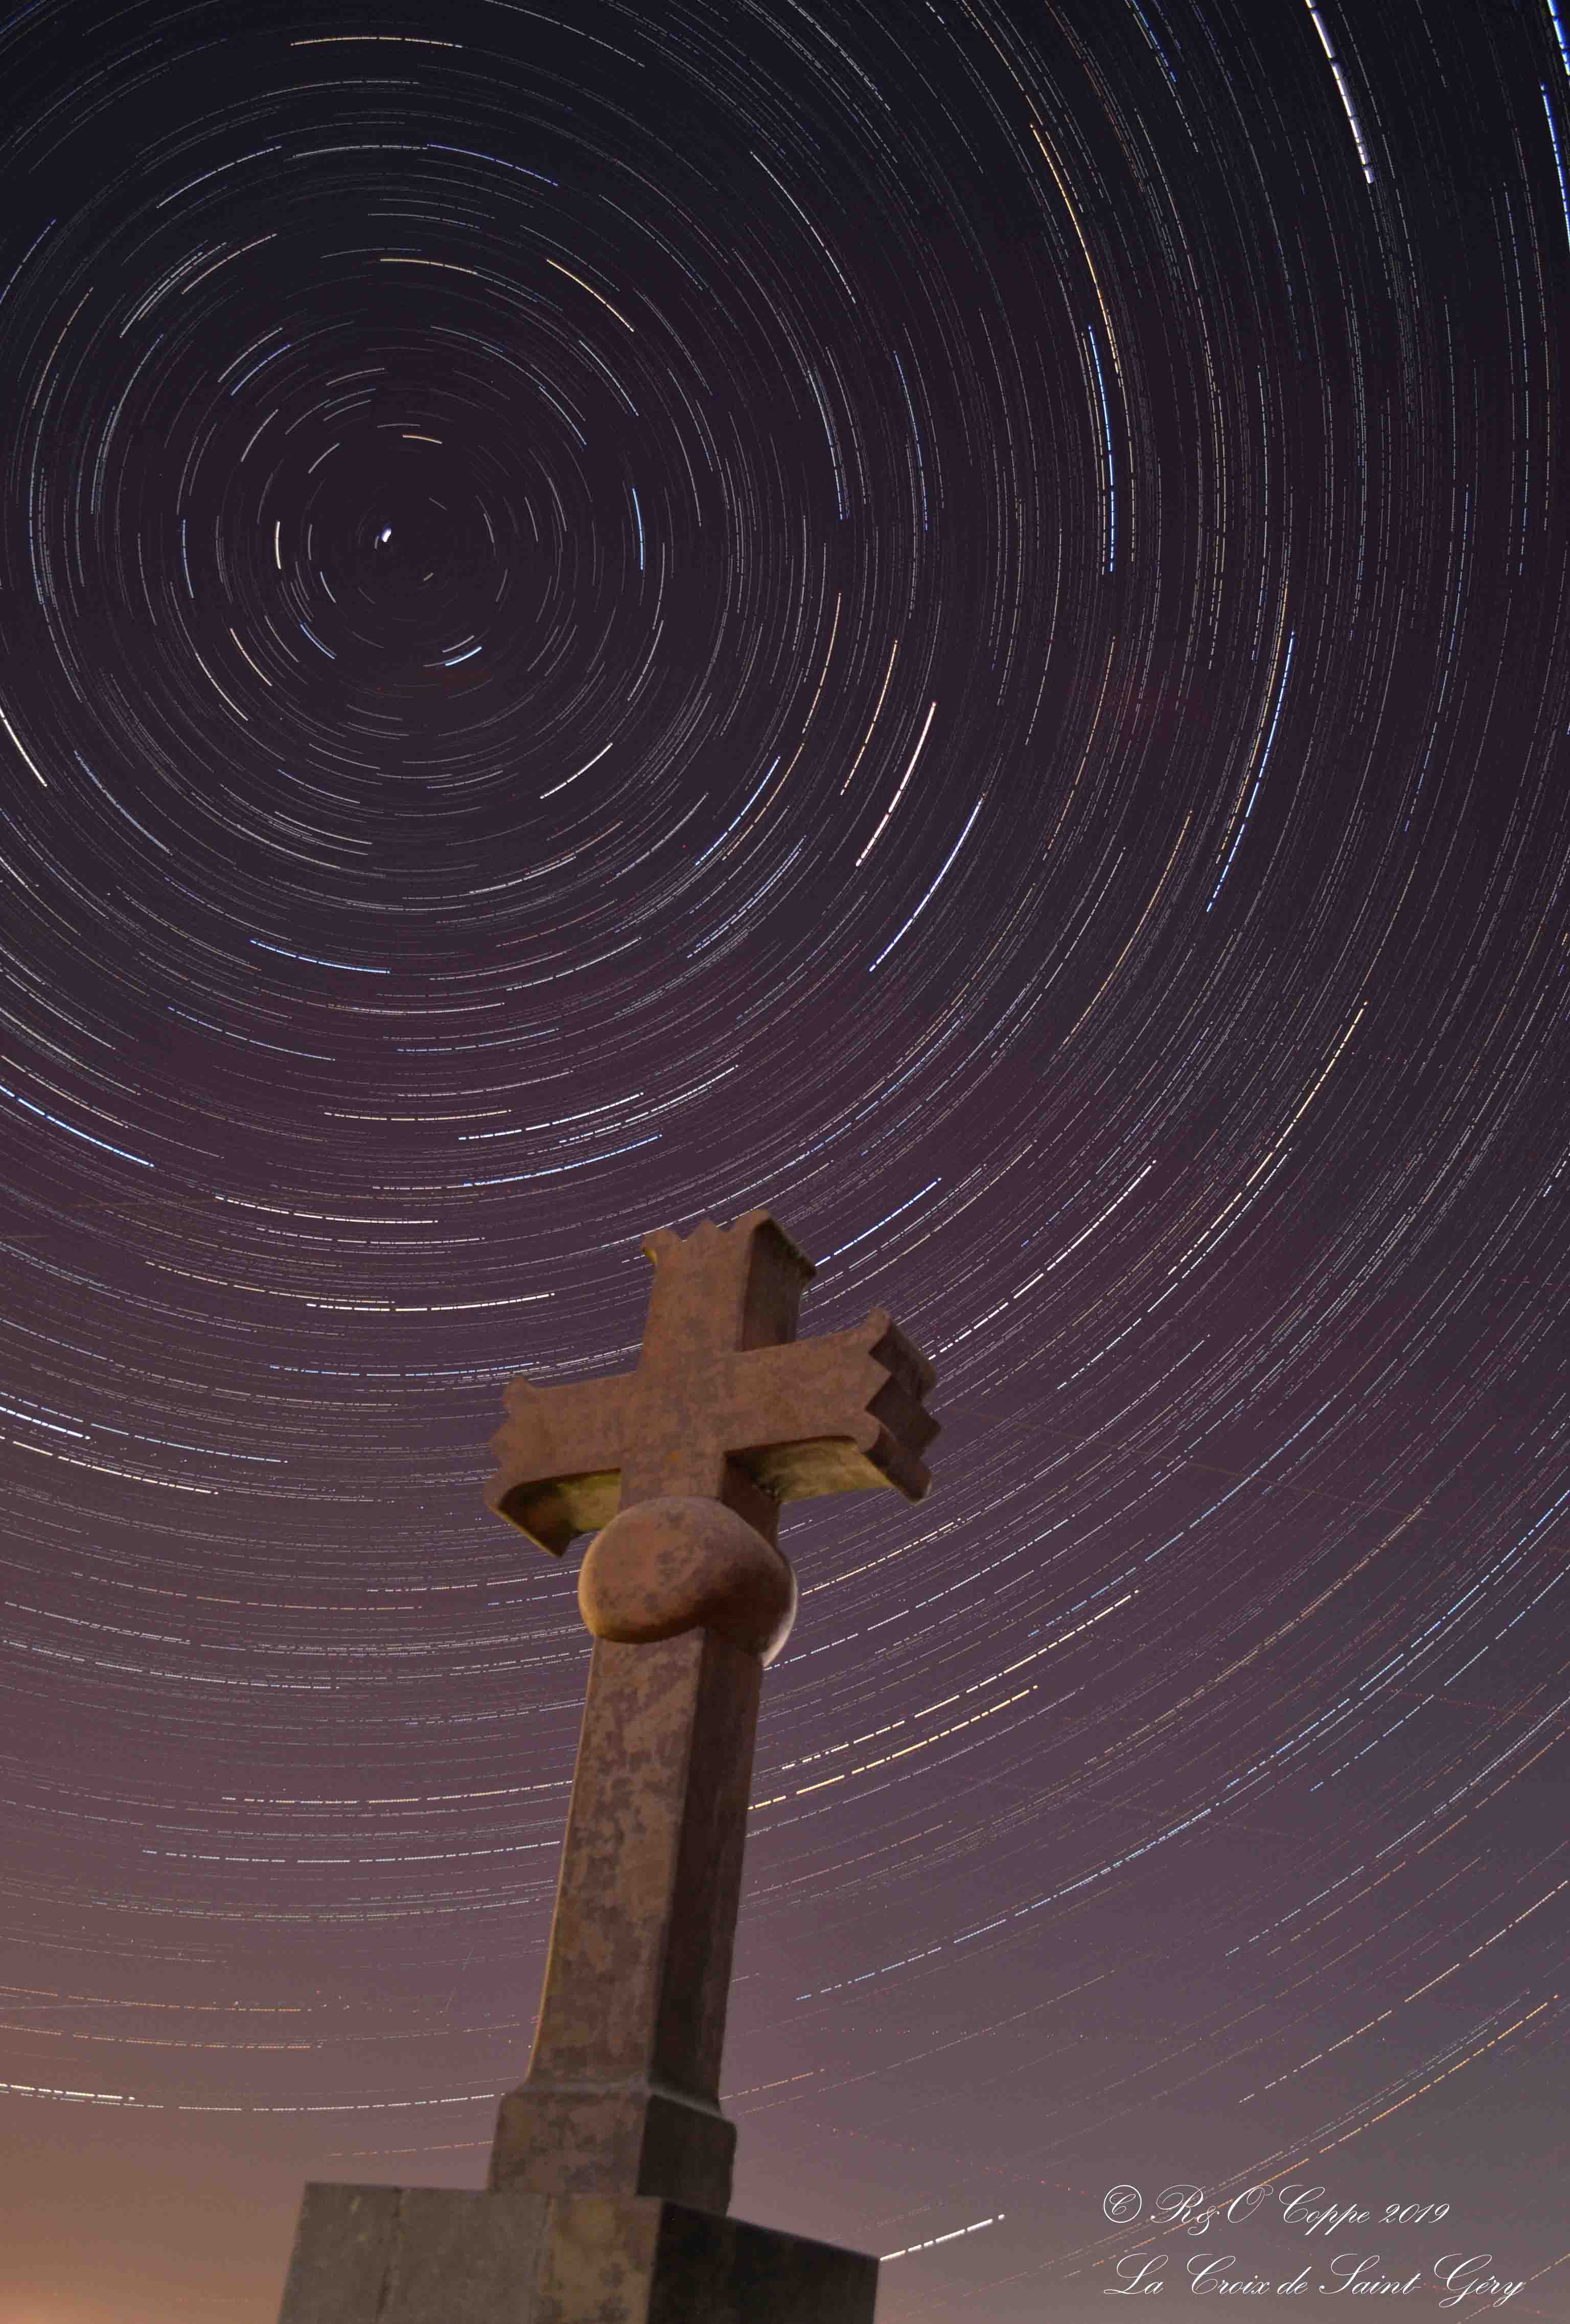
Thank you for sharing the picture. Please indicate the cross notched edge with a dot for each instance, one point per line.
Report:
(725, 1401)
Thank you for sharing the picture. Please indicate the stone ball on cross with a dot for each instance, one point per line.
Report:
(683, 1561)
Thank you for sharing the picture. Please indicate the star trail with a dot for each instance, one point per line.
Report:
(953, 621)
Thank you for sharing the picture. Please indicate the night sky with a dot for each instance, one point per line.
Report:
(954, 619)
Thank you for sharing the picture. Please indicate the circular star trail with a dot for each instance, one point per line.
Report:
(952, 623)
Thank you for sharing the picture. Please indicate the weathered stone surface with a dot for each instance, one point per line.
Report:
(601, 2262)
(729, 2271)
(434, 2255)
(460, 2255)
(342, 2249)
(682, 1564)
(725, 1402)
(439, 2256)
(577, 2139)
(621, 2096)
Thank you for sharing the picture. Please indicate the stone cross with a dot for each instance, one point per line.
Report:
(611, 2172)
(725, 1402)
(679, 1467)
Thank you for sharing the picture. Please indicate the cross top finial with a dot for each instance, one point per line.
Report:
(740, 1286)
(724, 1403)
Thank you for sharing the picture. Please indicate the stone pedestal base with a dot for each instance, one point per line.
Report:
(435, 2255)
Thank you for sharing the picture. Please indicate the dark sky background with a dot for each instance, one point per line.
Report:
(949, 618)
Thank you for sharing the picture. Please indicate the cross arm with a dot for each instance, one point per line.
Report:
(559, 1451)
(834, 1415)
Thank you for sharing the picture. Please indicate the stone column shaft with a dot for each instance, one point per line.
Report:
(622, 2092)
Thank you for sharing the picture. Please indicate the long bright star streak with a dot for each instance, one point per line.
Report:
(22, 749)
(1106, 454)
(900, 787)
(1559, 162)
(932, 892)
(1260, 777)
(1344, 91)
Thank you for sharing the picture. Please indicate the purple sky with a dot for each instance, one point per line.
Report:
(951, 618)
